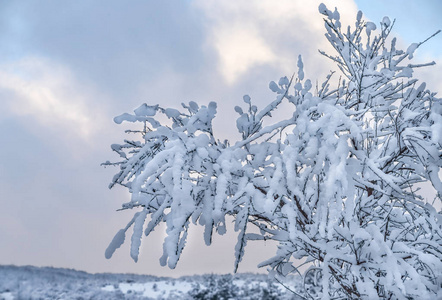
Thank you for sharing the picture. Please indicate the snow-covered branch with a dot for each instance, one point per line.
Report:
(339, 191)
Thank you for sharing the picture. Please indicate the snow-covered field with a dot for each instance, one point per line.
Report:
(51, 283)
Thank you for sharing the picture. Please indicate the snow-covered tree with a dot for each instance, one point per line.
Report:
(219, 287)
(336, 184)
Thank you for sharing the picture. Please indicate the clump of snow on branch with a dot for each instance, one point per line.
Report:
(338, 190)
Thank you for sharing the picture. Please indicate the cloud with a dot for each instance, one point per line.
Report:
(239, 50)
(247, 34)
(48, 94)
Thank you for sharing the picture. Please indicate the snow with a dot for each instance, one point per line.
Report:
(116, 243)
(172, 113)
(274, 87)
(6, 296)
(239, 110)
(162, 289)
(323, 10)
(406, 72)
(370, 26)
(124, 117)
(146, 110)
(386, 21)
(300, 65)
(359, 16)
(411, 49)
(53, 283)
(138, 232)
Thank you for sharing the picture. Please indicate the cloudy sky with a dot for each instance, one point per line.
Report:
(68, 67)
